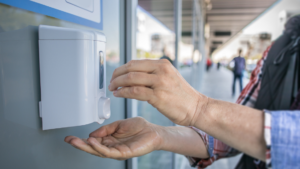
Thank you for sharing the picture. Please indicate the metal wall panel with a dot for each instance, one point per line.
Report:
(23, 143)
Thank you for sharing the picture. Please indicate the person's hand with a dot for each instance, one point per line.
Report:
(162, 86)
(121, 140)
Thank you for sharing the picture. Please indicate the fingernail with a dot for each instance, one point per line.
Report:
(115, 93)
(109, 86)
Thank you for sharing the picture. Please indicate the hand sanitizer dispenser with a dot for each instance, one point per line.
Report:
(73, 76)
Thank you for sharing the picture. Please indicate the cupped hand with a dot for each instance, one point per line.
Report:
(121, 140)
(161, 85)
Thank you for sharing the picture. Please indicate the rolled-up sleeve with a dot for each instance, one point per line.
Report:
(285, 139)
(282, 136)
(215, 148)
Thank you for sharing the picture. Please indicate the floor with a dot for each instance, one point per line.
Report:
(217, 84)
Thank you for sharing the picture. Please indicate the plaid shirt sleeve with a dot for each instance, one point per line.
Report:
(216, 148)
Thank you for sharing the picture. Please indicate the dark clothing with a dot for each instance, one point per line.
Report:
(275, 73)
(292, 27)
(239, 65)
(240, 78)
(207, 67)
(166, 57)
(279, 86)
(208, 64)
(296, 103)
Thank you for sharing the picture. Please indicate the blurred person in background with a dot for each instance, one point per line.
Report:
(208, 64)
(239, 67)
(218, 65)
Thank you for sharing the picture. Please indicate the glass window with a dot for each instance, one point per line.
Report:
(154, 41)
(19, 97)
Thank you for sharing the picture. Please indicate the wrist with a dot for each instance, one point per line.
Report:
(160, 141)
(201, 109)
(166, 134)
(182, 140)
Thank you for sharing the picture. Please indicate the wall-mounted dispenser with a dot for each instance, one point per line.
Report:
(73, 76)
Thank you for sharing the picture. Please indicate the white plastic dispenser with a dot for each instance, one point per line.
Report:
(73, 77)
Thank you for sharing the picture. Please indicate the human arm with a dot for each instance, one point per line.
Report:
(135, 137)
(235, 125)
(162, 86)
(183, 140)
(248, 98)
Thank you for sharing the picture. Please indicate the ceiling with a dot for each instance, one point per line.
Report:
(163, 11)
(231, 16)
(226, 18)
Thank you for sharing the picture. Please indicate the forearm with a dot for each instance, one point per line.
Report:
(237, 126)
(183, 140)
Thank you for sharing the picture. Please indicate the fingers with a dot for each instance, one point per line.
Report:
(147, 66)
(106, 130)
(94, 146)
(132, 79)
(80, 144)
(135, 92)
(69, 138)
(103, 150)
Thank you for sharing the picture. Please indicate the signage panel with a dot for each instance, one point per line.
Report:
(84, 12)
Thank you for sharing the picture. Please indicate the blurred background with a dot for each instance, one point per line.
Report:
(212, 32)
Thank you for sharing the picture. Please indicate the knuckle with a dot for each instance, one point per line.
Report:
(130, 64)
(162, 81)
(166, 67)
(130, 76)
(122, 91)
(161, 95)
(134, 90)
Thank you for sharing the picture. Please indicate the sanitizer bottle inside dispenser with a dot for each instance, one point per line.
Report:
(73, 77)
